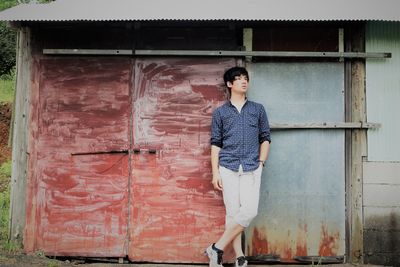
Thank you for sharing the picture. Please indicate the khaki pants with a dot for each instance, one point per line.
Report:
(241, 192)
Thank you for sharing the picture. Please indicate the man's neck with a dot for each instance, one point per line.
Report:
(238, 99)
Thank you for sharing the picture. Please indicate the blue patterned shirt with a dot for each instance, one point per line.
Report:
(239, 135)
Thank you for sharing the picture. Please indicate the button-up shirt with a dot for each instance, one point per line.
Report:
(239, 134)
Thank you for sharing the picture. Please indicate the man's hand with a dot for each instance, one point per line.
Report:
(217, 181)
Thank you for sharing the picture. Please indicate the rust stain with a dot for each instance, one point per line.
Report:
(301, 242)
(283, 245)
(259, 242)
(287, 247)
(329, 244)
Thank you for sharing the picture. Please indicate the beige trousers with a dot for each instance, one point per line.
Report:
(241, 192)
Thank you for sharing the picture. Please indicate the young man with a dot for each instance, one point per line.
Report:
(240, 139)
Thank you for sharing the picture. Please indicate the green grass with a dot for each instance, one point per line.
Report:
(5, 174)
(7, 86)
(5, 169)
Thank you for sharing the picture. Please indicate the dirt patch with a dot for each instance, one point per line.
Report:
(5, 119)
(22, 260)
(5, 150)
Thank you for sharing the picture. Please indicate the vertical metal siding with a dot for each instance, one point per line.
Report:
(301, 210)
(383, 91)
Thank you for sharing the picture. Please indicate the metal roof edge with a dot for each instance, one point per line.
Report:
(205, 10)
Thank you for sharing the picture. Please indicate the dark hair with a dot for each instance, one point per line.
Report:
(229, 75)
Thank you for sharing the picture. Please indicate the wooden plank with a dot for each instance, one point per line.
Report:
(32, 173)
(382, 218)
(381, 172)
(356, 93)
(381, 195)
(324, 125)
(248, 41)
(122, 52)
(216, 53)
(20, 136)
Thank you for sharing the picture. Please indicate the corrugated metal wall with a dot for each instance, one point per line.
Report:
(381, 172)
(383, 91)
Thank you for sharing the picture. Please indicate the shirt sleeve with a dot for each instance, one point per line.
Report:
(216, 129)
(264, 130)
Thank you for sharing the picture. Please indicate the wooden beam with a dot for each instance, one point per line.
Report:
(216, 53)
(248, 41)
(325, 125)
(356, 144)
(20, 137)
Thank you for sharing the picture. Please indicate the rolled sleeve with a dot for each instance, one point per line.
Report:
(265, 131)
(216, 129)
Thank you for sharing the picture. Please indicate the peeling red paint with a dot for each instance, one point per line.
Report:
(174, 207)
(329, 243)
(78, 205)
(86, 200)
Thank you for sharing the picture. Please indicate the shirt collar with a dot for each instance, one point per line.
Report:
(245, 102)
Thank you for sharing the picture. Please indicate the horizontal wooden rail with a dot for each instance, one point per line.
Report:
(214, 53)
(325, 125)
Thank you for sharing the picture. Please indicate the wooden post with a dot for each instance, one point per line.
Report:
(356, 143)
(20, 137)
(248, 41)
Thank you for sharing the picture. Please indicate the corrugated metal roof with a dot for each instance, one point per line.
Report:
(120, 10)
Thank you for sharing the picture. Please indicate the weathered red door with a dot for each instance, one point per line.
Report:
(77, 201)
(123, 168)
(175, 213)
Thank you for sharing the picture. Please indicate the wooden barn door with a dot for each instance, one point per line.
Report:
(77, 192)
(175, 213)
(120, 158)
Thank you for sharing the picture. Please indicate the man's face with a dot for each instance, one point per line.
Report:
(239, 85)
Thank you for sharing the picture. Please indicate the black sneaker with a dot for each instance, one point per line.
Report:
(241, 262)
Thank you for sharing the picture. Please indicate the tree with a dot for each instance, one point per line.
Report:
(7, 42)
(8, 37)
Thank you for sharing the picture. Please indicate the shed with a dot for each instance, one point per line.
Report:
(112, 119)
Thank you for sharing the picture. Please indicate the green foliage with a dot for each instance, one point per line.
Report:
(7, 48)
(8, 38)
(7, 41)
(4, 4)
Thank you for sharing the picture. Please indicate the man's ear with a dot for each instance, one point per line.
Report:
(229, 84)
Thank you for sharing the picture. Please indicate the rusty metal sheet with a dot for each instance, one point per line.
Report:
(302, 202)
(175, 212)
(78, 204)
